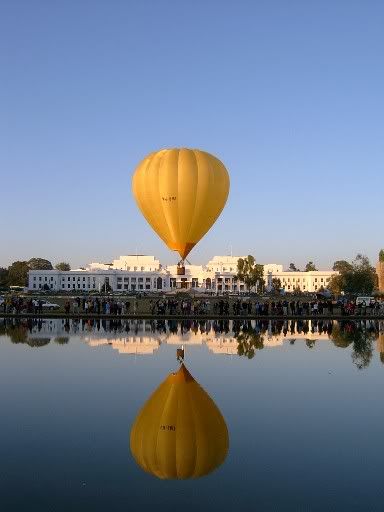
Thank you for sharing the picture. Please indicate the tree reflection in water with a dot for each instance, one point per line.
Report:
(361, 336)
(249, 339)
(243, 337)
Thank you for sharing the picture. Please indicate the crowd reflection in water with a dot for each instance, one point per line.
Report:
(222, 336)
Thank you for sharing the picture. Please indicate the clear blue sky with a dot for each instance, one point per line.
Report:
(288, 94)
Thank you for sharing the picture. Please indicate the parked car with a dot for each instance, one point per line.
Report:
(50, 305)
(364, 301)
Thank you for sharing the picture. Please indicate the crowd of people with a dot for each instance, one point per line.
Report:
(99, 306)
(243, 307)
(239, 307)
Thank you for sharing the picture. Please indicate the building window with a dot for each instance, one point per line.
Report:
(34, 278)
(119, 286)
(34, 286)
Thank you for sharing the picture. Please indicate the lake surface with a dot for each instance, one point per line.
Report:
(303, 404)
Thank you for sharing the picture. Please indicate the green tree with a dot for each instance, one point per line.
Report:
(381, 255)
(18, 273)
(342, 266)
(276, 283)
(39, 264)
(292, 267)
(63, 266)
(250, 272)
(362, 277)
(310, 266)
(336, 284)
(3, 277)
(356, 277)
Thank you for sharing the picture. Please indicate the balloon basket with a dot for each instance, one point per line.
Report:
(180, 270)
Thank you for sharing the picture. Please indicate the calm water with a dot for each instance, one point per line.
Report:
(302, 403)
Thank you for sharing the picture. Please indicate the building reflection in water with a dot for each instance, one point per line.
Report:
(179, 433)
(227, 337)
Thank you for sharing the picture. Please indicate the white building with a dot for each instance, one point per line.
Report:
(145, 273)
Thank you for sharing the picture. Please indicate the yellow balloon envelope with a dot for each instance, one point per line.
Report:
(181, 193)
(179, 433)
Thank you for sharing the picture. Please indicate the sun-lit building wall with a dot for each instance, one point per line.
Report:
(146, 274)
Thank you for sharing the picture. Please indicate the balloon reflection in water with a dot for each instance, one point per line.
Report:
(179, 433)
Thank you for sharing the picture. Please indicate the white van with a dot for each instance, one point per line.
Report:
(364, 301)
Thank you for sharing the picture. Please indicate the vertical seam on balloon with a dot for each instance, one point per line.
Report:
(196, 195)
(194, 430)
(157, 224)
(162, 204)
(212, 174)
(142, 177)
(158, 430)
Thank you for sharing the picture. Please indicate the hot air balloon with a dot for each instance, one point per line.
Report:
(181, 193)
(179, 433)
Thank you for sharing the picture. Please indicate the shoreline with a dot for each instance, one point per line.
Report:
(146, 316)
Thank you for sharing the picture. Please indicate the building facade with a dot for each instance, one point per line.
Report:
(145, 273)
